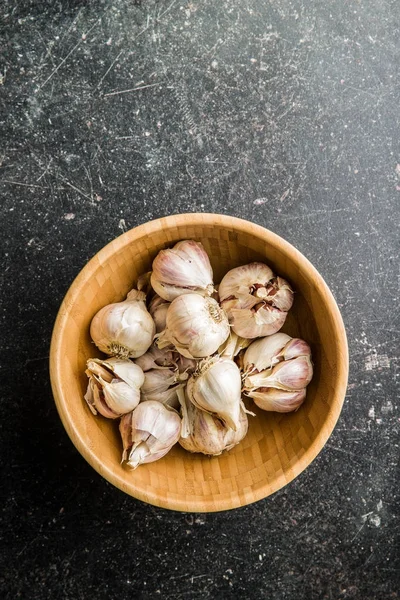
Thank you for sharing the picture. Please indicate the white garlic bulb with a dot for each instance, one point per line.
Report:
(158, 309)
(255, 300)
(113, 387)
(160, 385)
(196, 326)
(207, 434)
(216, 389)
(277, 369)
(148, 433)
(183, 269)
(124, 329)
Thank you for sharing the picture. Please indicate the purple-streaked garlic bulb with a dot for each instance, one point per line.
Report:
(277, 370)
(148, 433)
(255, 300)
(196, 326)
(205, 433)
(183, 269)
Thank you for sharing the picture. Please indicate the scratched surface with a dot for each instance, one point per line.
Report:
(283, 113)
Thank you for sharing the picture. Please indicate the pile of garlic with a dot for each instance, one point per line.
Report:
(181, 364)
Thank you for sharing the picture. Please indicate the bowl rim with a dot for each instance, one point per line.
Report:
(55, 360)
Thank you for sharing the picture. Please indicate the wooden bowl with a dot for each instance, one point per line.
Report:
(278, 446)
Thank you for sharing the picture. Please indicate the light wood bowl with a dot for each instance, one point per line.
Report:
(278, 446)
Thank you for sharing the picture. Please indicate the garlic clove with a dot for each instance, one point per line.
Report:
(196, 326)
(125, 369)
(271, 399)
(114, 386)
(148, 433)
(216, 389)
(295, 348)
(183, 269)
(264, 353)
(120, 397)
(95, 401)
(289, 375)
(205, 433)
(124, 329)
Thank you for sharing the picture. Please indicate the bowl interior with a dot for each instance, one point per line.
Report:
(278, 446)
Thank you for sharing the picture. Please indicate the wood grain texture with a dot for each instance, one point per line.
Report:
(278, 446)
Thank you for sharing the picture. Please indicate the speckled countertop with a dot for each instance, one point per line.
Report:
(282, 112)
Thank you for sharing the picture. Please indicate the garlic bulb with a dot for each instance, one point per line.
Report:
(208, 434)
(158, 309)
(124, 329)
(183, 269)
(160, 385)
(155, 358)
(114, 386)
(196, 326)
(255, 300)
(216, 389)
(148, 433)
(277, 369)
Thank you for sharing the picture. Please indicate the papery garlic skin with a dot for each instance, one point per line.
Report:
(208, 434)
(216, 389)
(148, 433)
(196, 326)
(113, 387)
(282, 401)
(255, 301)
(183, 269)
(124, 329)
(158, 308)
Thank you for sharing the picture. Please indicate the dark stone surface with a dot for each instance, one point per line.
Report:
(283, 113)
